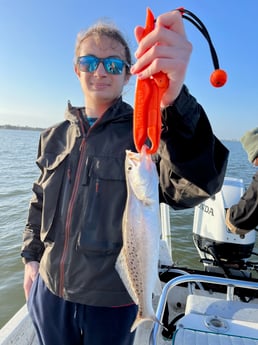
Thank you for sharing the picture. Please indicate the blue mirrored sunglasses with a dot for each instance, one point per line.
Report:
(112, 65)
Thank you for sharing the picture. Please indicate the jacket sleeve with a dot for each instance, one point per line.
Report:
(191, 160)
(32, 247)
(244, 215)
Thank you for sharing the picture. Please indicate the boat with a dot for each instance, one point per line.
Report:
(215, 305)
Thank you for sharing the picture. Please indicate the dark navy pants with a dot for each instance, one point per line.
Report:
(59, 322)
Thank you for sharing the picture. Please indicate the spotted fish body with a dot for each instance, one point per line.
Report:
(137, 263)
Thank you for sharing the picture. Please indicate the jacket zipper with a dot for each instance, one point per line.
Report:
(70, 212)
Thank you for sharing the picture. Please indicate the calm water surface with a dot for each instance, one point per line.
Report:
(18, 170)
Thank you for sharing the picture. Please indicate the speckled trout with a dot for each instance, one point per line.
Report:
(137, 263)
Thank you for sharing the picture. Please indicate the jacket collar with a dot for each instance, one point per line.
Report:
(118, 111)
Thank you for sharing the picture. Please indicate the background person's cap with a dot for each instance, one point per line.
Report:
(250, 143)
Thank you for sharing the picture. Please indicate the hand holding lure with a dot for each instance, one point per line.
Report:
(149, 92)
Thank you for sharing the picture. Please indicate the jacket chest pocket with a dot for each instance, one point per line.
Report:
(101, 223)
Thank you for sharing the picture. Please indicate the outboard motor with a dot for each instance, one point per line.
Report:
(219, 249)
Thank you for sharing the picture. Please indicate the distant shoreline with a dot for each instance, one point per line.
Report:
(23, 128)
(28, 128)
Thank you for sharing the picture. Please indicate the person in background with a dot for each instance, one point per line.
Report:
(74, 230)
(243, 217)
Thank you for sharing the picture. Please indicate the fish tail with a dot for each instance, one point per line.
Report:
(140, 320)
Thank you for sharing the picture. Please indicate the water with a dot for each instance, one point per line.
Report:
(18, 170)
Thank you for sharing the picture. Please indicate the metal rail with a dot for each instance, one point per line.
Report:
(230, 283)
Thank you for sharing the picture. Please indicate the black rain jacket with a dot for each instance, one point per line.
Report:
(74, 226)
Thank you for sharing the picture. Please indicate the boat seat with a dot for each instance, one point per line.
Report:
(212, 321)
(186, 336)
(235, 310)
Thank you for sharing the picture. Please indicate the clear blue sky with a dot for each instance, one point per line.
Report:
(37, 44)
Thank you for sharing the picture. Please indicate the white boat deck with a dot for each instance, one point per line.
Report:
(18, 330)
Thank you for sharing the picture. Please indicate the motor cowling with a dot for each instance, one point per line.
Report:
(211, 236)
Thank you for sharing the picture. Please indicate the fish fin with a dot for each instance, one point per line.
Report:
(139, 320)
(120, 266)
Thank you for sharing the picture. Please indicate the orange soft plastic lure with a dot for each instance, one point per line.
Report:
(148, 94)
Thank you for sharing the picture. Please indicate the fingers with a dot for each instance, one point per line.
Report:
(166, 41)
(172, 21)
(164, 49)
(30, 273)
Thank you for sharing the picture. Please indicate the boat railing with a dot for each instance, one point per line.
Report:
(195, 278)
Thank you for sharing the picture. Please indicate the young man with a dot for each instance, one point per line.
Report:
(74, 230)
